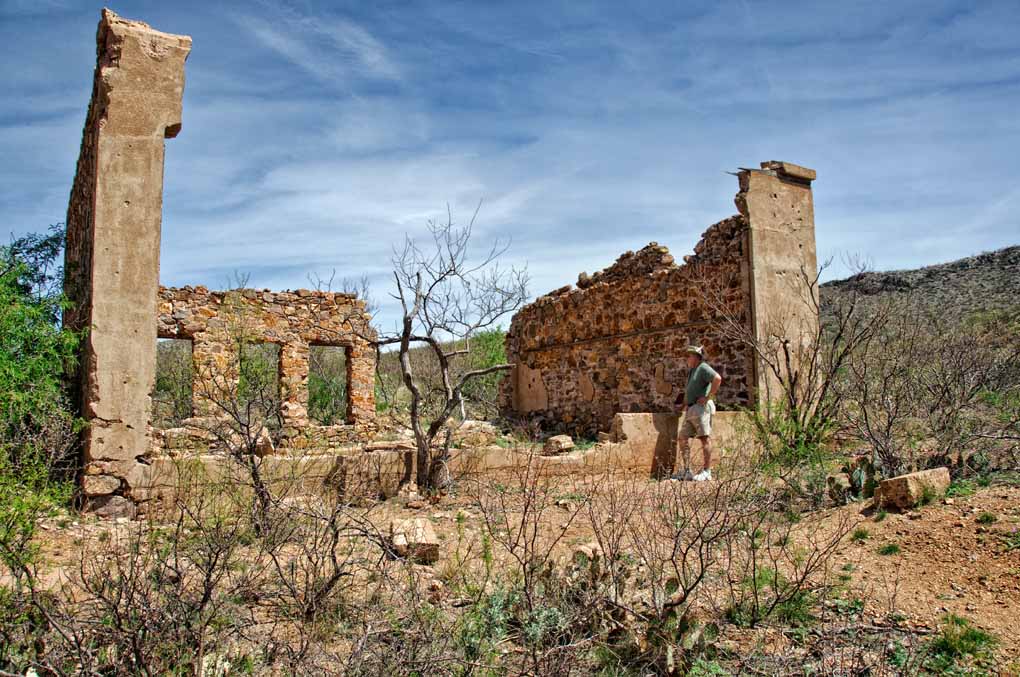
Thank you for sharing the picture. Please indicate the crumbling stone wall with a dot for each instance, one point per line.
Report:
(112, 253)
(614, 344)
(217, 322)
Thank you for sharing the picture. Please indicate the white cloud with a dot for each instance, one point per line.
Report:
(334, 50)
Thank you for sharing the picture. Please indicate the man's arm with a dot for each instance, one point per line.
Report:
(712, 389)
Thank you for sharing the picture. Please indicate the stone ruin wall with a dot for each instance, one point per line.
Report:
(215, 322)
(614, 344)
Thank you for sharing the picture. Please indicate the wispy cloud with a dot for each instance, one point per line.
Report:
(335, 50)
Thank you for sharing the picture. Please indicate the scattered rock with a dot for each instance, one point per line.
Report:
(111, 506)
(415, 539)
(475, 433)
(913, 489)
(413, 500)
(264, 444)
(436, 589)
(557, 444)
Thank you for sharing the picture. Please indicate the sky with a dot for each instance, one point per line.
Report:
(317, 134)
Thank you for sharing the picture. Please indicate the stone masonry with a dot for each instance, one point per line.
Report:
(112, 255)
(614, 344)
(217, 321)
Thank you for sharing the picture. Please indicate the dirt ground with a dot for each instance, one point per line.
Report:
(950, 559)
(948, 562)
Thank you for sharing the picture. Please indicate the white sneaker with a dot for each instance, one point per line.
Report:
(703, 476)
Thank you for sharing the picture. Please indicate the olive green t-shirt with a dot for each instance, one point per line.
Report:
(699, 382)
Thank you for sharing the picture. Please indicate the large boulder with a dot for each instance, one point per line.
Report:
(414, 539)
(913, 489)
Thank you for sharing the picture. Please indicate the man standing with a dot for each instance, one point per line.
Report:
(696, 421)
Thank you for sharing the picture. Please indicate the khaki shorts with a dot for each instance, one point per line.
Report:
(697, 421)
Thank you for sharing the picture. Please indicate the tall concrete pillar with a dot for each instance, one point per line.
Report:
(112, 256)
(776, 200)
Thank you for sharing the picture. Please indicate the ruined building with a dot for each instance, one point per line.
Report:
(615, 342)
(112, 281)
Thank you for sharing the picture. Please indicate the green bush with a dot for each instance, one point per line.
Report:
(986, 518)
(37, 431)
(327, 385)
(889, 549)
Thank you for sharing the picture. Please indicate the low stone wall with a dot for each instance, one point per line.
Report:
(641, 445)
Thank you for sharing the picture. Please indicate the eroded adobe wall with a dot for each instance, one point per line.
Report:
(112, 254)
(218, 322)
(614, 344)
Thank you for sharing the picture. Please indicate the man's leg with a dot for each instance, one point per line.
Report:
(706, 454)
(683, 441)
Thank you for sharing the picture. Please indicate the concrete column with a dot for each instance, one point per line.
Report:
(777, 203)
(112, 257)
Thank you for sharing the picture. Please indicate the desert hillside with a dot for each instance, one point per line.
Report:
(985, 282)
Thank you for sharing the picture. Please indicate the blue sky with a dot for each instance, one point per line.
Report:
(316, 134)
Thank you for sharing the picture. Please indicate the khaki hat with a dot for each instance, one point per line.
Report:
(695, 350)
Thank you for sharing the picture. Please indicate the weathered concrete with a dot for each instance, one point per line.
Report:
(415, 539)
(615, 343)
(557, 444)
(113, 235)
(778, 206)
(651, 439)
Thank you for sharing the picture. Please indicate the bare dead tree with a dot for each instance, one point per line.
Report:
(446, 298)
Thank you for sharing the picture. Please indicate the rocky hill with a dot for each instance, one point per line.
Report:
(988, 281)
